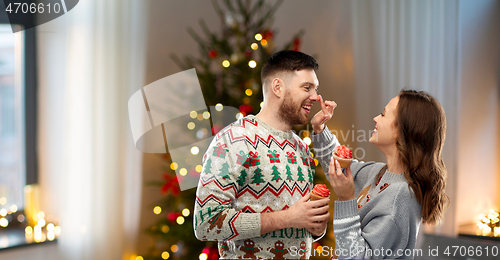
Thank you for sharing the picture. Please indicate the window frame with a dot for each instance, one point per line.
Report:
(30, 91)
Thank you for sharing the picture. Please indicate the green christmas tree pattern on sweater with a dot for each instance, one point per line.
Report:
(208, 167)
(242, 178)
(276, 174)
(257, 177)
(224, 171)
(301, 175)
(288, 173)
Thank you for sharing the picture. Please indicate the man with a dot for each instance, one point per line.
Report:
(257, 174)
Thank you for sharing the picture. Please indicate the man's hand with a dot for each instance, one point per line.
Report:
(326, 112)
(312, 215)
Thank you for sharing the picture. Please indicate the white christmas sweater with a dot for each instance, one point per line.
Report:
(248, 169)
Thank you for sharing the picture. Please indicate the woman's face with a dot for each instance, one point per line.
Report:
(385, 133)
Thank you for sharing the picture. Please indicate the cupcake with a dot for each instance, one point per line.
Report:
(343, 155)
(320, 191)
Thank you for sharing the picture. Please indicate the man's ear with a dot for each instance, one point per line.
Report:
(277, 87)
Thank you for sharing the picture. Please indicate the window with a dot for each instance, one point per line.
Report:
(12, 127)
(18, 160)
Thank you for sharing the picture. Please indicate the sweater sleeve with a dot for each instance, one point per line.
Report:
(324, 145)
(382, 237)
(215, 218)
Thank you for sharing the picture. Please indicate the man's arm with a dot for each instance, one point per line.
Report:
(215, 218)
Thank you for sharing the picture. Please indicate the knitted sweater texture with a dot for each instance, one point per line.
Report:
(251, 168)
(383, 221)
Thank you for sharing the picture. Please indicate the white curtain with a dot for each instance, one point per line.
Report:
(410, 44)
(91, 60)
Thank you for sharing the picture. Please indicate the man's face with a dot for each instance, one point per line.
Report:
(299, 96)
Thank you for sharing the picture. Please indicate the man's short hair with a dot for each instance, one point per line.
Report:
(287, 61)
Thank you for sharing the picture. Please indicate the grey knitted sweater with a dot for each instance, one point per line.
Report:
(383, 221)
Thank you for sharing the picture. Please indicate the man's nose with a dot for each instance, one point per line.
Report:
(314, 96)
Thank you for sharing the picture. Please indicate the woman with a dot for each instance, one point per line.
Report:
(381, 206)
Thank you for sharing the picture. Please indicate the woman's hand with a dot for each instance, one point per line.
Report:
(341, 184)
(326, 112)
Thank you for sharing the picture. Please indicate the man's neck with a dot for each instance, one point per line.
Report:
(271, 118)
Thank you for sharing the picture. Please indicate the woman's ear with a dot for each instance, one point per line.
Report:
(277, 87)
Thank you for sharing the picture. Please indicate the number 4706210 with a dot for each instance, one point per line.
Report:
(33, 8)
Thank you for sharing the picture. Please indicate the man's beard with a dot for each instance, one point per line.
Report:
(289, 113)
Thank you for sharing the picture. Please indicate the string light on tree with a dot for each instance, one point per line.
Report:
(165, 229)
(191, 125)
(174, 166)
(226, 63)
(157, 210)
(248, 92)
(195, 150)
(254, 46)
(165, 255)
(219, 107)
(252, 64)
(206, 115)
(183, 172)
(193, 114)
(258, 36)
(185, 212)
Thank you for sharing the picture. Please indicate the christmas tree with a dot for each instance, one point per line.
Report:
(229, 63)
(300, 174)
(228, 68)
(224, 171)
(276, 174)
(288, 173)
(208, 166)
(242, 178)
(257, 176)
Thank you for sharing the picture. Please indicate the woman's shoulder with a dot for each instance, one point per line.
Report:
(366, 167)
(404, 197)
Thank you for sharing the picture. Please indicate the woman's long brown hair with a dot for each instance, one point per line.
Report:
(421, 124)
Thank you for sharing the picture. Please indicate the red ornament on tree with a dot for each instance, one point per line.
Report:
(171, 184)
(248, 54)
(267, 34)
(212, 53)
(246, 109)
(173, 216)
(296, 44)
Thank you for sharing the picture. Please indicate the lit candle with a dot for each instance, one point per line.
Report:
(31, 203)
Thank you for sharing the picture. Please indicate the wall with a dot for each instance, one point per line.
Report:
(478, 152)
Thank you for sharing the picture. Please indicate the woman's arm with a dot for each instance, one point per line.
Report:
(386, 230)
